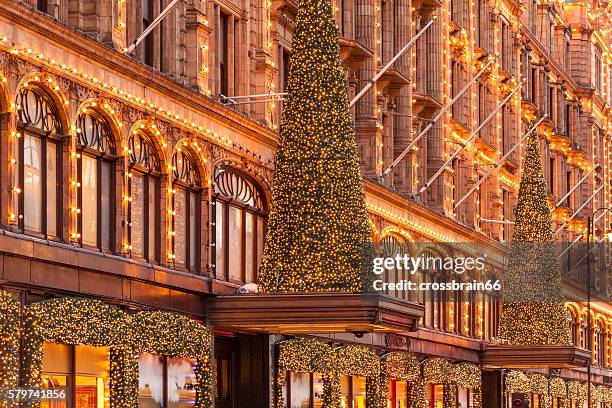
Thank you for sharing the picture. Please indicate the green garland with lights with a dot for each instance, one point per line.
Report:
(467, 375)
(318, 238)
(9, 344)
(440, 371)
(399, 366)
(175, 335)
(310, 356)
(84, 321)
(73, 321)
(539, 386)
(558, 389)
(517, 382)
(534, 310)
(361, 361)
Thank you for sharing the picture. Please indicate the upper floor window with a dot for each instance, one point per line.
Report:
(187, 210)
(96, 173)
(390, 246)
(598, 69)
(240, 222)
(39, 163)
(144, 186)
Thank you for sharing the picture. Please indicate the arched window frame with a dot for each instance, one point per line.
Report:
(187, 188)
(96, 150)
(391, 245)
(246, 202)
(144, 185)
(38, 123)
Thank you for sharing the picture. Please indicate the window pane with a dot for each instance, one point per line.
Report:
(89, 191)
(401, 394)
(181, 382)
(260, 239)
(54, 382)
(219, 249)
(359, 392)
(92, 377)
(32, 179)
(235, 243)
(52, 189)
(137, 214)
(193, 232)
(463, 397)
(179, 226)
(248, 247)
(150, 381)
(56, 367)
(152, 217)
(317, 390)
(300, 390)
(105, 216)
(345, 389)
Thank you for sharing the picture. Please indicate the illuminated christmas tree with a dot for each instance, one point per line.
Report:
(318, 235)
(534, 308)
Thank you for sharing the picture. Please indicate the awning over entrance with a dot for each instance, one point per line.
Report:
(507, 356)
(314, 313)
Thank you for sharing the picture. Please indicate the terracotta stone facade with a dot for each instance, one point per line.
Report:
(176, 89)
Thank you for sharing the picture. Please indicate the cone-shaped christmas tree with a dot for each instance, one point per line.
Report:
(533, 309)
(318, 235)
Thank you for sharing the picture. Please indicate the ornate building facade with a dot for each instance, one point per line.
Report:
(144, 180)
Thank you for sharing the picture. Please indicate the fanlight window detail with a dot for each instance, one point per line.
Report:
(38, 110)
(185, 169)
(143, 152)
(391, 246)
(240, 224)
(94, 133)
(234, 186)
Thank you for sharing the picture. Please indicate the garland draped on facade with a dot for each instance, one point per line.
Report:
(314, 356)
(9, 344)
(84, 321)
(557, 388)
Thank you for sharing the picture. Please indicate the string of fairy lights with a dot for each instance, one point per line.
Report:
(534, 310)
(308, 355)
(103, 105)
(85, 321)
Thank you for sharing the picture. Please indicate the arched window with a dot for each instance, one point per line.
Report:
(40, 151)
(187, 186)
(240, 222)
(575, 327)
(96, 173)
(144, 185)
(390, 247)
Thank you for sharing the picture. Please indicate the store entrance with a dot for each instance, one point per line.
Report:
(241, 370)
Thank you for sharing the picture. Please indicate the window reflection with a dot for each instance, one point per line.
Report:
(87, 368)
(32, 183)
(300, 390)
(181, 382)
(150, 381)
(89, 191)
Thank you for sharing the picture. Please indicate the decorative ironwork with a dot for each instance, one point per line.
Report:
(185, 168)
(38, 110)
(235, 186)
(94, 132)
(143, 152)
